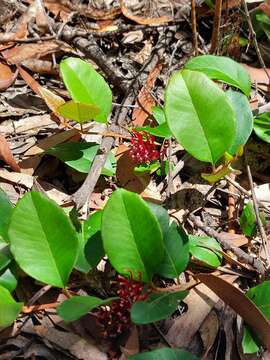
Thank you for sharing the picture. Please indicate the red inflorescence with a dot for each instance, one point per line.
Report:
(143, 149)
(115, 318)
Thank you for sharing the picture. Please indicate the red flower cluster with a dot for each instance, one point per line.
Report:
(143, 149)
(115, 318)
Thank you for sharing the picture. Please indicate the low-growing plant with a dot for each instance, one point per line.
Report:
(137, 238)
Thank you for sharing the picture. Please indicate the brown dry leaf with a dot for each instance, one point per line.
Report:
(265, 7)
(30, 81)
(6, 154)
(53, 140)
(40, 66)
(258, 75)
(64, 7)
(132, 346)
(145, 100)
(141, 20)
(235, 239)
(200, 302)
(22, 52)
(7, 77)
(208, 332)
(17, 178)
(125, 172)
(52, 100)
(237, 300)
(34, 12)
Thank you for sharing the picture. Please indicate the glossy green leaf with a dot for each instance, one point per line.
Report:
(9, 308)
(162, 130)
(222, 68)
(78, 112)
(205, 249)
(5, 256)
(91, 246)
(87, 86)
(74, 308)
(80, 156)
(176, 252)
(248, 221)
(8, 280)
(5, 214)
(250, 345)
(164, 354)
(147, 168)
(159, 115)
(262, 126)
(199, 115)
(260, 296)
(131, 235)
(244, 120)
(161, 215)
(43, 240)
(157, 307)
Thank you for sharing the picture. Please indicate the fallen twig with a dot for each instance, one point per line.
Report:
(241, 255)
(257, 214)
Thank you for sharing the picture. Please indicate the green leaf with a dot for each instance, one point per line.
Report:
(248, 220)
(250, 345)
(162, 130)
(199, 115)
(176, 252)
(5, 214)
(131, 235)
(91, 247)
(5, 256)
(222, 68)
(78, 112)
(164, 354)
(244, 120)
(157, 307)
(260, 296)
(262, 126)
(74, 308)
(159, 115)
(147, 168)
(43, 240)
(161, 215)
(87, 86)
(205, 249)
(8, 280)
(9, 308)
(80, 156)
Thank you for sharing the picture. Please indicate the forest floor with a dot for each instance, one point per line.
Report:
(136, 45)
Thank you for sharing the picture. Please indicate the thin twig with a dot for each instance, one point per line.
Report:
(231, 206)
(257, 214)
(245, 192)
(254, 38)
(216, 26)
(241, 255)
(194, 27)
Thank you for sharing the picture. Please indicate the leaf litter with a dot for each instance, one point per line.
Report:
(35, 37)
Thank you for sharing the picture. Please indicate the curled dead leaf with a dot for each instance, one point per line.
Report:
(145, 100)
(7, 77)
(6, 154)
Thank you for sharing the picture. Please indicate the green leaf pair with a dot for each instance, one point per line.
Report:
(91, 95)
(204, 119)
